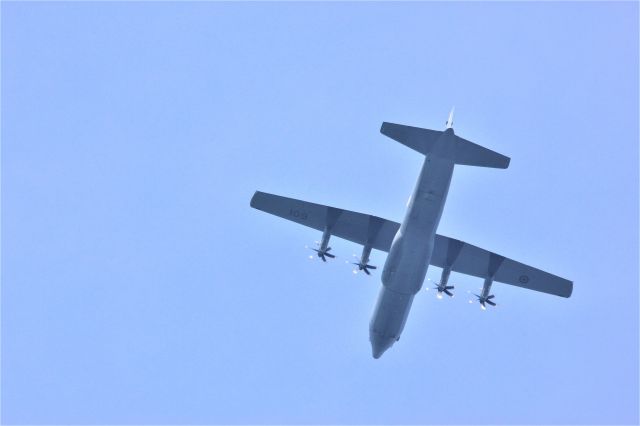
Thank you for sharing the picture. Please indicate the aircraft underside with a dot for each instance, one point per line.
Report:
(414, 244)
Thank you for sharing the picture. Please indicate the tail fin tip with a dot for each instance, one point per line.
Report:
(449, 123)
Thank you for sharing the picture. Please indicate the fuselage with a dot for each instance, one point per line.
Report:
(406, 265)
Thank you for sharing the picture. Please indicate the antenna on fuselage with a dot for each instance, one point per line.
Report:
(450, 120)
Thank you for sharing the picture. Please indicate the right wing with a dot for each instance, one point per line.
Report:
(357, 227)
(377, 232)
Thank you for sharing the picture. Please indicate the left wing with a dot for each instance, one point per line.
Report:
(468, 259)
(360, 228)
(378, 233)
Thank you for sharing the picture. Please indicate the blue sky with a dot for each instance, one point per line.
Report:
(139, 287)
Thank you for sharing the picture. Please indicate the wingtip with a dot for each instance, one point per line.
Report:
(252, 203)
(570, 292)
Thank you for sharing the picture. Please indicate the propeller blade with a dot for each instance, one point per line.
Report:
(491, 303)
(372, 267)
(366, 271)
(490, 297)
(448, 293)
(329, 255)
(449, 287)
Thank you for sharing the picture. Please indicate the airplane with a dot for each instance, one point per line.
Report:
(414, 244)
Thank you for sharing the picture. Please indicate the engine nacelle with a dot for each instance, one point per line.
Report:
(485, 297)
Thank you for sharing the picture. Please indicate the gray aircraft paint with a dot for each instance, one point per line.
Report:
(414, 244)
(406, 265)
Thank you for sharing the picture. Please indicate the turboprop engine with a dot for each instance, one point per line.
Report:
(485, 297)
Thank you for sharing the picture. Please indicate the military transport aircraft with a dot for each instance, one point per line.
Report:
(414, 244)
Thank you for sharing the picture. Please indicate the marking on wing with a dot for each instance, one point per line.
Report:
(298, 214)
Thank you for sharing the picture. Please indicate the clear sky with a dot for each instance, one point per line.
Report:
(138, 286)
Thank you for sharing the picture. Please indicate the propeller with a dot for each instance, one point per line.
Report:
(442, 288)
(482, 300)
(360, 265)
(364, 267)
(323, 254)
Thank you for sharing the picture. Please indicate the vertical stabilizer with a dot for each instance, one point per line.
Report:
(450, 120)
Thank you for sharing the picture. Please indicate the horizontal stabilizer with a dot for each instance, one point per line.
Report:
(471, 154)
(421, 140)
(427, 141)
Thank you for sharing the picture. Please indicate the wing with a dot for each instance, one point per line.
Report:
(359, 228)
(471, 260)
(377, 232)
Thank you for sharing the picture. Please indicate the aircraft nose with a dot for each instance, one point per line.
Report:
(377, 352)
(379, 344)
